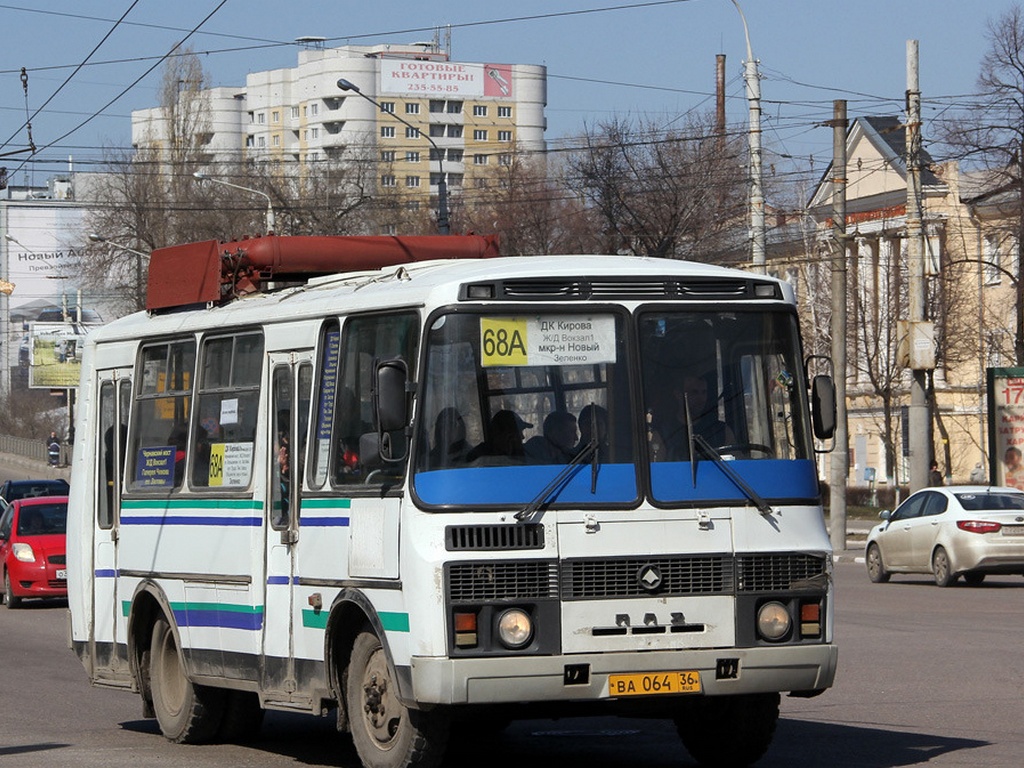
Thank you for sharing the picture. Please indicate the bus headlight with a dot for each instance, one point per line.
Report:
(773, 621)
(515, 628)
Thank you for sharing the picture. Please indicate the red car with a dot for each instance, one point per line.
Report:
(33, 546)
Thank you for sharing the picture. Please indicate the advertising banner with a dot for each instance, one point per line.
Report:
(1006, 426)
(409, 77)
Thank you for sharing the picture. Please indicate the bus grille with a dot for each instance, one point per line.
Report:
(516, 580)
(493, 537)
(765, 573)
(698, 575)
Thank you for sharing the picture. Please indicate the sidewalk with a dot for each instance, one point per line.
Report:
(856, 536)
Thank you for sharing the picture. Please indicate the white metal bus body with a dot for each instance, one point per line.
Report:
(266, 513)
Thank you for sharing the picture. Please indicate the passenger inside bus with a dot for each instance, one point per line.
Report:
(504, 441)
(670, 439)
(590, 416)
(558, 443)
(450, 446)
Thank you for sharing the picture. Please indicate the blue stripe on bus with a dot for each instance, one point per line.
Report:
(105, 573)
(323, 522)
(278, 580)
(519, 484)
(252, 522)
(771, 478)
(213, 615)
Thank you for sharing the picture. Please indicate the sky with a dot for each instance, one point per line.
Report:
(86, 61)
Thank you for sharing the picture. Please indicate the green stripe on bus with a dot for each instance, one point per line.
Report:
(391, 622)
(231, 607)
(326, 503)
(191, 504)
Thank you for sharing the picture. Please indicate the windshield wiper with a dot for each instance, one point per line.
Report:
(762, 506)
(589, 451)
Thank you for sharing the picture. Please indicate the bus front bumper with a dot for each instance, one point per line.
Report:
(585, 677)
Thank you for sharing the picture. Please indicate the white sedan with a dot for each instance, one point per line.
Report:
(968, 531)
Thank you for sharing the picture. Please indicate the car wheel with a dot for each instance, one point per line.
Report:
(973, 578)
(11, 600)
(944, 575)
(385, 732)
(876, 568)
(187, 713)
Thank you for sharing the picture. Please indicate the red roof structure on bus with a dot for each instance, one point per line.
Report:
(212, 272)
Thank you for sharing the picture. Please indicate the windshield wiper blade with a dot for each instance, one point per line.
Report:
(762, 506)
(588, 451)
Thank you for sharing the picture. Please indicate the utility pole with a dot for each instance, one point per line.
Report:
(840, 464)
(753, 88)
(920, 335)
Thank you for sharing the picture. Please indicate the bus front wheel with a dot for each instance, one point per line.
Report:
(187, 713)
(385, 732)
(728, 730)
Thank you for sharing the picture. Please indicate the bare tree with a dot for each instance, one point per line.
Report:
(989, 133)
(673, 193)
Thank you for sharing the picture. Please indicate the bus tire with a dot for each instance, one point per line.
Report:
(187, 713)
(728, 730)
(386, 733)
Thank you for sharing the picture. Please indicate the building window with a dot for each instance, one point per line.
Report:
(295, 113)
(993, 259)
(276, 140)
(504, 111)
(454, 108)
(275, 116)
(387, 156)
(435, 178)
(437, 130)
(480, 183)
(314, 109)
(455, 155)
(387, 131)
(454, 131)
(249, 140)
(412, 205)
(387, 106)
(387, 180)
(305, 110)
(480, 110)
(479, 159)
(261, 141)
(412, 109)
(412, 181)
(252, 118)
(480, 134)
(436, 106)
(313, 156)
(412, 133)
(412, 157)
(314, 133)
(261, 118)
(504, 159)
(437, 154)
(455, 179)
(504, 135)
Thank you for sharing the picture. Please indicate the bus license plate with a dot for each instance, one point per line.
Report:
(651, 683)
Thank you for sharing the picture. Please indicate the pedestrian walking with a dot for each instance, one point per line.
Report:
(53, 449)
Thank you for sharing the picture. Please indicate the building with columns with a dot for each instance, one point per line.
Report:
(970, 263)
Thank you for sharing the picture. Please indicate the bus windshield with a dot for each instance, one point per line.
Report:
(509, 400)
(725, 385)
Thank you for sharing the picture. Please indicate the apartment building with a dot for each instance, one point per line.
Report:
(417, 113)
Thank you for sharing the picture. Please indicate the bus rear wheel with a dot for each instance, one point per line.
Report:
(728, 730)
(385, 732)
(187, 713)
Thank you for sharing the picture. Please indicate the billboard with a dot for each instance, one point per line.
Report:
(409, 77)
(55, 355)
(1006, 426)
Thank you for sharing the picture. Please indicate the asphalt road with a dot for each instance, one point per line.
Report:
(927, 676)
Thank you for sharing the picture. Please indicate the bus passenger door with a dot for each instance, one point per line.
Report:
(291, 376)
(107, 635)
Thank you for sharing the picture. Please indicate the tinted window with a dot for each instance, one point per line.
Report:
(974, 502)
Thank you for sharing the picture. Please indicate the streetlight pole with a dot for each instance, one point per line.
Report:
(442, 184)
(139, 256)
(270, 205)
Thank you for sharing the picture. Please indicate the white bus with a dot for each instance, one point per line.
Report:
(445, 494)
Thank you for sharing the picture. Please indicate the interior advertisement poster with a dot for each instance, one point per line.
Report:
(1006, 426)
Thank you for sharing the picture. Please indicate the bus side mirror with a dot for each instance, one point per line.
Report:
(391, 403)
(823, 407)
